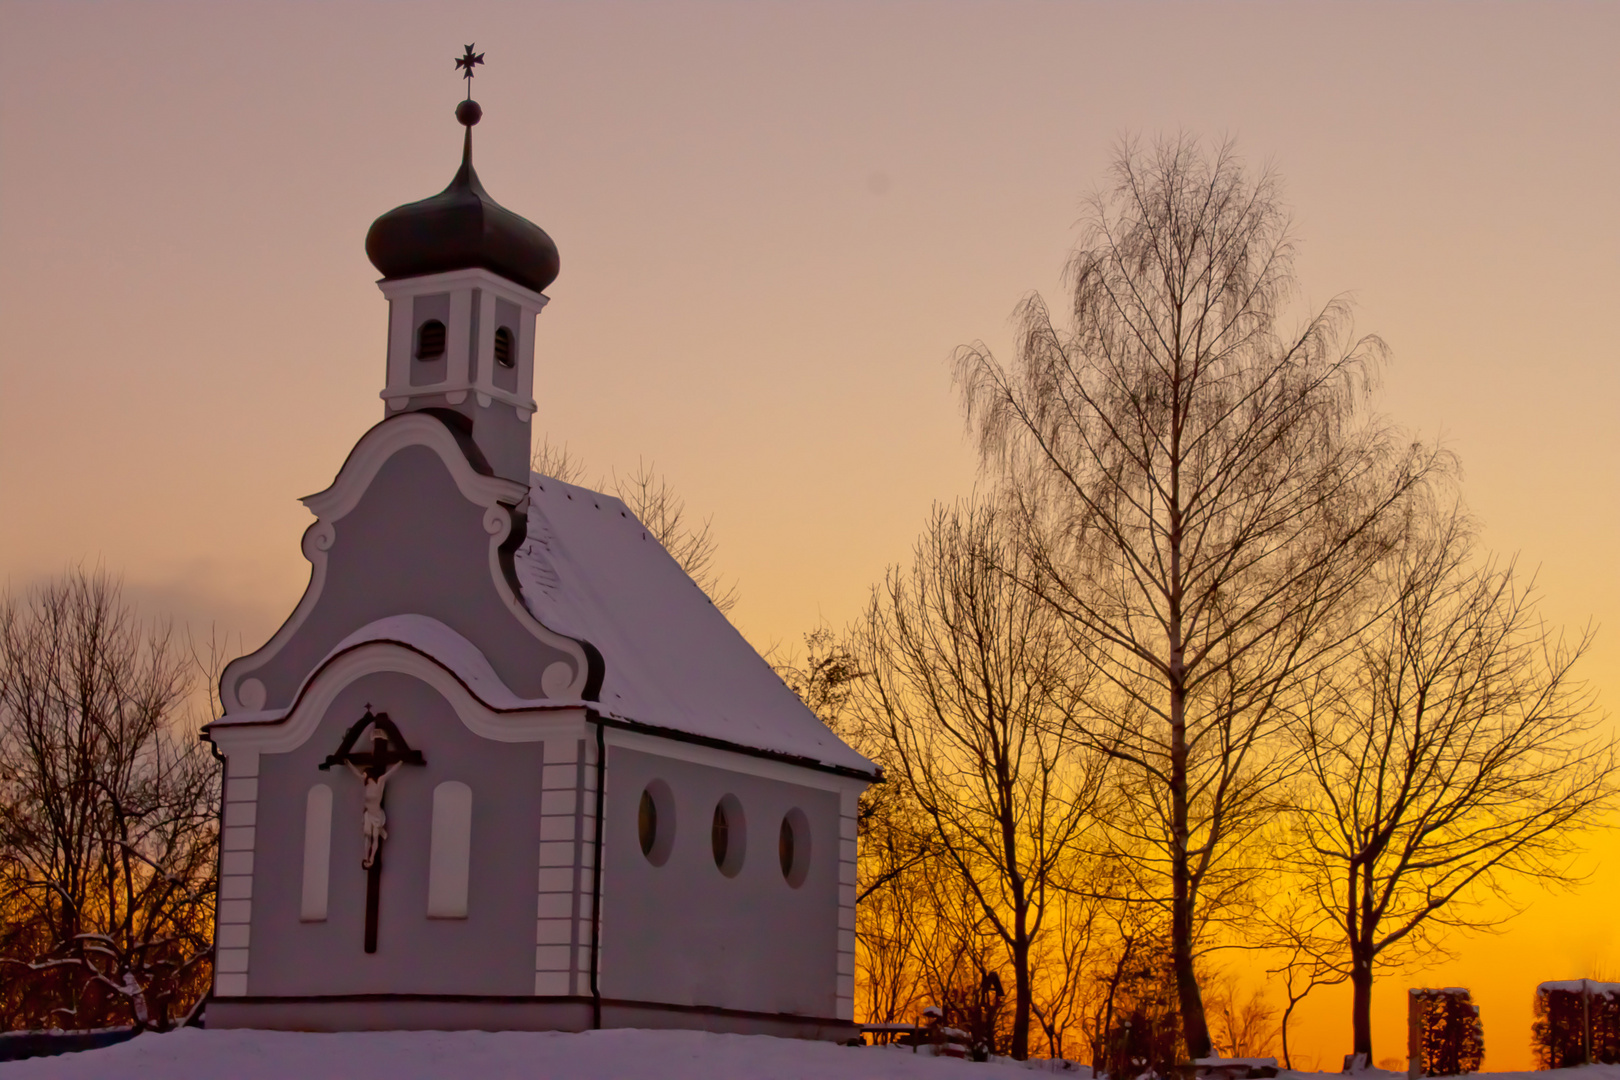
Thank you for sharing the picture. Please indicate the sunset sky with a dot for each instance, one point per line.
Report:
(776, 224)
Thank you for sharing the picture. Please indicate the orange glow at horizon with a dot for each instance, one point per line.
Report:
(776, 224)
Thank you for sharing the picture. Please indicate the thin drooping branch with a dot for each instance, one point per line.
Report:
(1203, 496)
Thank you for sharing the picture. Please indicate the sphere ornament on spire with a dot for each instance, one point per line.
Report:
(462, 227)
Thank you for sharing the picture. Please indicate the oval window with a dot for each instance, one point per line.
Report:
(647, 822)
(728, 835)
(504, 353)
(430, 340)
(655, 822)
(720, 835)
(793, 847)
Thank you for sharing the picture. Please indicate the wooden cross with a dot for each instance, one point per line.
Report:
(372, 768)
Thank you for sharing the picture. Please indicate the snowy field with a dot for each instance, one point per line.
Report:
(481, 1055)
(594, 1055)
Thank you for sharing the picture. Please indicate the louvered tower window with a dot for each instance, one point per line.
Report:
(430, 340)
(503, 347)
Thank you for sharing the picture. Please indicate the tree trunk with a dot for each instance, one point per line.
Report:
(1288, 1060)
(1361, 956)
(1361, 1006)
(1022, 993)
(1194, 1028)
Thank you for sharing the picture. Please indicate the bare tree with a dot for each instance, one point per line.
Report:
(1204, 493)
(108, 835)
(1244, 1024)
(970, 684)
(1064, 965)
(897, 917)
(659, 507)
(893, 917)
(650, 497)
(1452, 754)
(1299, 928)
(557, 462)
(1135, 1026)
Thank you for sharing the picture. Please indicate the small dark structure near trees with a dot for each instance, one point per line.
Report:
(1445, 1037)
(1577, 1023)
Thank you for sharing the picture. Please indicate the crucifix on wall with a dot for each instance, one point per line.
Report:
(373, 768)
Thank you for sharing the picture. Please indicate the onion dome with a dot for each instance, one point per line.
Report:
(462, 228)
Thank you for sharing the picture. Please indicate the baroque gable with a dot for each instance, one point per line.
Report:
(411, 525)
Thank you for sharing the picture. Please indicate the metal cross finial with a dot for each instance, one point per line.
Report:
(466, 63)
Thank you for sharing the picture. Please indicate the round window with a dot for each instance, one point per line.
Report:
(793, 847)
(655, 822)
(728, 835)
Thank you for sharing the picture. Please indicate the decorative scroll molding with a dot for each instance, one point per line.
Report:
(388, 438)
(500, 499)
(279, 734)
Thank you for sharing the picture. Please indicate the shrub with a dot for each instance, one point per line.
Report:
(1451, 1040)
(1558, 1036)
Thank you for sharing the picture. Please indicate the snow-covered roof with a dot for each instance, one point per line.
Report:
(589, 569)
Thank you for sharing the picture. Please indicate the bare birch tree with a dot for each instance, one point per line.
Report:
(108, 832)
(659, 507)
(1204, 493)
(1452, 754)
(970, 683)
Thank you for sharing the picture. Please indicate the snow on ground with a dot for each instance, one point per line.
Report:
(593, 1055)
(620, 1054)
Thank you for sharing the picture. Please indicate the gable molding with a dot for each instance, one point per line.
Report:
(282, 735)
(500, 499)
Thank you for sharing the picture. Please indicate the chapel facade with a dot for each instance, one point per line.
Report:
(505, 766)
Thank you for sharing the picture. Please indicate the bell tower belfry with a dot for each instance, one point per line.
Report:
(465, 280)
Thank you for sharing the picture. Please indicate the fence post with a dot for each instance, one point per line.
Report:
(1586, 1019)
(1414, 1035)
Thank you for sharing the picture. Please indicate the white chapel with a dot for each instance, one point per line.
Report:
(505, 766)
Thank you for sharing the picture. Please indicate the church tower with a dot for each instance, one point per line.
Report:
(465, 278)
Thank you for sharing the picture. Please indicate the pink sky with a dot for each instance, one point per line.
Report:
(776, 223)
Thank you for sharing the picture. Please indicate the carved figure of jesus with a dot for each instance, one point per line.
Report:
(373, 822)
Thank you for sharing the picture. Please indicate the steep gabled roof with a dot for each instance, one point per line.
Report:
(591, 570)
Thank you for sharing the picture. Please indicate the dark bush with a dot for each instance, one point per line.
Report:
(1558, 1036)
(1451, 1040)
